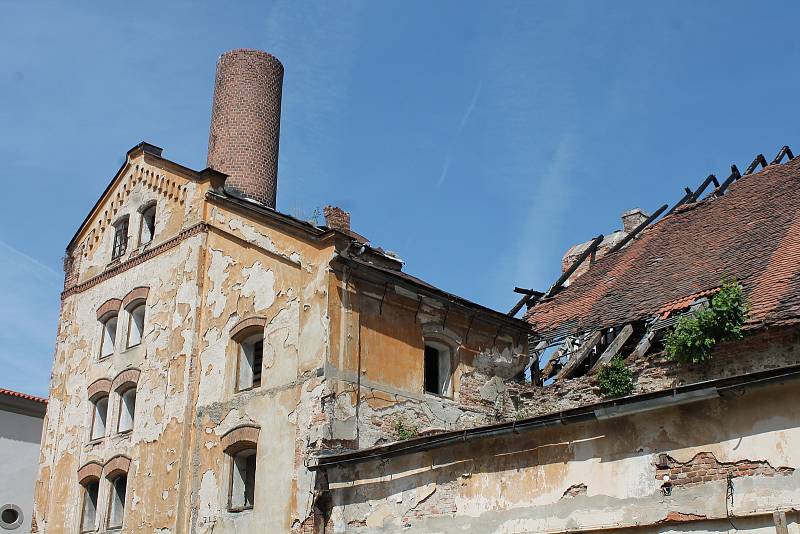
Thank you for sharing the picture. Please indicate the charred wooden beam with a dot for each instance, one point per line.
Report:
(566, 274)
(638, 229)
(735, 175)
(785, 151)
(752, 167)
(643, 346)
(681, 201)
(524, 291)
(530, 296)
(699, 190)
(612, 349)
(579, 356)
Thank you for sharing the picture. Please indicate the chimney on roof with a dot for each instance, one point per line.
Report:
(630, 220)
(633, 218)
(336, 218)
(246, 123)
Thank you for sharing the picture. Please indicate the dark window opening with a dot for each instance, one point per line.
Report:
(258, 358)
(89, 519)
(251, 358)
(432, 381)
(120, 239)
(148, 228)
(243, 480)
(116, 512)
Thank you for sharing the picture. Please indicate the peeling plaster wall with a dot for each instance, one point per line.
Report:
(526, 482)
(258, 271)
(377, 368)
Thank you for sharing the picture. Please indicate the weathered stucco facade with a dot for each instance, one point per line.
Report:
(342, 356)
(223, 367)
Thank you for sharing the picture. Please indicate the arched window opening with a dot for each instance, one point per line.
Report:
(109, 336)
(91, 492)
(127, 410)
(438, 368)
(135, 324)
(99, 416)
(120, 238)
(243, 480)
(116, 504)
(251, 357)
(147, 229)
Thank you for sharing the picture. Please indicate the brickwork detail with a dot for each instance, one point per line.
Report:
(704, 467)
(89, 472)
(98, 387)
(125, 379)
(240, 438)
(117, 465)
(248, 324)
(108, 307)
(336, 218)
(245, 123)
(138, 293)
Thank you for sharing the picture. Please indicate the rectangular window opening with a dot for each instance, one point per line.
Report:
(148, 229)
(99, 419)
(109, 337)
(136, 326)
(116, 512)
(251, 359)
(243, 481)
(127, 410)
(89, 516)
(120, 239)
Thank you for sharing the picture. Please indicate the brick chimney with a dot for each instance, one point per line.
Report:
(336, 218)
(246, 123)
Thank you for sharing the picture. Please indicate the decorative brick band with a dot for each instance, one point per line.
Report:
(240, 438)
(118, 465)
(245, 326)
(133, 262)
(134, 295)
(89, 473)
(125, 379)
(108, 307)
(99, 387)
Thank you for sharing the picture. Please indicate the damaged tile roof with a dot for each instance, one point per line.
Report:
(752, 234)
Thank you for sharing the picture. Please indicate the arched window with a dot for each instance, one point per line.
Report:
(249, 337)
(438, 368)
(116, 471)
(89, 479)
(135, 323)
(240, 444)
(127, 409)
(99, 415)
(120, 238)
(109, 336)
(147, 228)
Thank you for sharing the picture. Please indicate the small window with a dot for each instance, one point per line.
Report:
(437, 369)
(136, 325)
(120, 238)
(109, 336)
(243, 480)
(99, 416)
(147, 229)
(127, 409)
(116, 505)
(89, 515)
(251, 356)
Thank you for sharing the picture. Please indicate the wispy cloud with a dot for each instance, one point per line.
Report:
(461, 125)
(29, 301)
(540, 233)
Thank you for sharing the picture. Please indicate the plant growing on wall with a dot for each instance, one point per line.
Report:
(693, 337)
(405, 431)
(615, 379)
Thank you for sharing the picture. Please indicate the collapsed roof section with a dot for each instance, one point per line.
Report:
(747, 229)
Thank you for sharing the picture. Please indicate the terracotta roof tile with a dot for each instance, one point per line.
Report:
(11, 393)
(752, 233)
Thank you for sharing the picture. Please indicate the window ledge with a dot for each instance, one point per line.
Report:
(124, 433)
(239, 510)
(130, 348)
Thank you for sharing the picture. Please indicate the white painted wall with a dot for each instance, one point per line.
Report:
(19, 462)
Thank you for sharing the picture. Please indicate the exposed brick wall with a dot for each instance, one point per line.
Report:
(336, 218)
(704, 467)
(245, 123)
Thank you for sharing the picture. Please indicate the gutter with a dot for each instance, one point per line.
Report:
(698, 391)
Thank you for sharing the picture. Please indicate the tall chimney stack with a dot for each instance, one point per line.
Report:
(246, 123)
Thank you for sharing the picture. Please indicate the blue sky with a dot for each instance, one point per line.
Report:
(478, 140)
